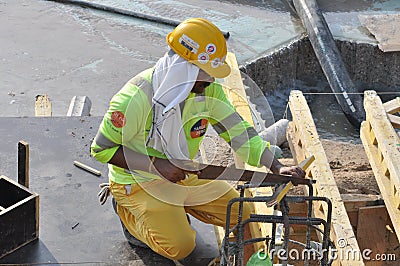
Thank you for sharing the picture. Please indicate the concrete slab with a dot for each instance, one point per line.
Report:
(74, 227)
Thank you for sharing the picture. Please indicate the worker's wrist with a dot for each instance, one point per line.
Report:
(276, 166)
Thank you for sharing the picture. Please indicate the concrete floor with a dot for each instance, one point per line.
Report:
(74, 227)
(63, 51)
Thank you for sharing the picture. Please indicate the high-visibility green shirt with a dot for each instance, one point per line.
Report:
(128, 122)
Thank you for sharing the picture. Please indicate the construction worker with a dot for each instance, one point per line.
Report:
(161, 115)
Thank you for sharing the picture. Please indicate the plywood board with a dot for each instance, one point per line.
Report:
(371, 231)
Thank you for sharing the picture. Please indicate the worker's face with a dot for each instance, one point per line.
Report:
(202, 82)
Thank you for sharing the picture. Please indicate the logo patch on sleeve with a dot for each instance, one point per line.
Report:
(199, 128)
(118, 119)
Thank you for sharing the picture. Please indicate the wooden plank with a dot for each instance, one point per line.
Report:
(23, 163)
(392, 106)
(379, 168)
(353, 202)
(43, 105)
(387, 143)
(304, 141)
(371, 231)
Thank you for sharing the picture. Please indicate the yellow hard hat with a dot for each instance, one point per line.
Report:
(200, 42)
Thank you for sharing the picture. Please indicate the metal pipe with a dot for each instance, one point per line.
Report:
(126, 12)
(330, 60)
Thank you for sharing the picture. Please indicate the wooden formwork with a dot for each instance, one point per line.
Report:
(304, 141)
(19, 216)
(382, 146)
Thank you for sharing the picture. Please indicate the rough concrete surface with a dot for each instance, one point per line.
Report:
(73, 227)
(66, 50)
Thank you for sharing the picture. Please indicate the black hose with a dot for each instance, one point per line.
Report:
(331, 61)
(126, 12)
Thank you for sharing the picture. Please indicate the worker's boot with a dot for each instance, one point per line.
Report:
(131, 239)
(194, 260)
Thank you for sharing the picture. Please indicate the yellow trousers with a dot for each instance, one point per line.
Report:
(164, 226)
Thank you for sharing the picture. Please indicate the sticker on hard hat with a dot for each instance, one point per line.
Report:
(203, 58)
(189, 44)
(216, 62)
(211, 48)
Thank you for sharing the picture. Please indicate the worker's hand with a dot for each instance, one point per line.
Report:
(170, 171)
(294, 171)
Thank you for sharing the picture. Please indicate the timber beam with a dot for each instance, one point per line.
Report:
(382, 146)
(304, 142)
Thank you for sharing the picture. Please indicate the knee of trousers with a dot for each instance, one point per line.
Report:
(179, 247)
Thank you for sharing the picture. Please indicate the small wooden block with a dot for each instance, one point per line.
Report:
(43, 105)
(23, 163)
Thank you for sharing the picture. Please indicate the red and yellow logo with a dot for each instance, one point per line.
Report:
(118, 119)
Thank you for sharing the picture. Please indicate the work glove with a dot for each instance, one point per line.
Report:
(104, 192)
(276, 150)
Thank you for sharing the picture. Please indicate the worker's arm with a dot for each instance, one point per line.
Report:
(268, 159)
(243, 138)
(128, 159)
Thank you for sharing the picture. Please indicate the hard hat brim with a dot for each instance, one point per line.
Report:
(222, 71)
